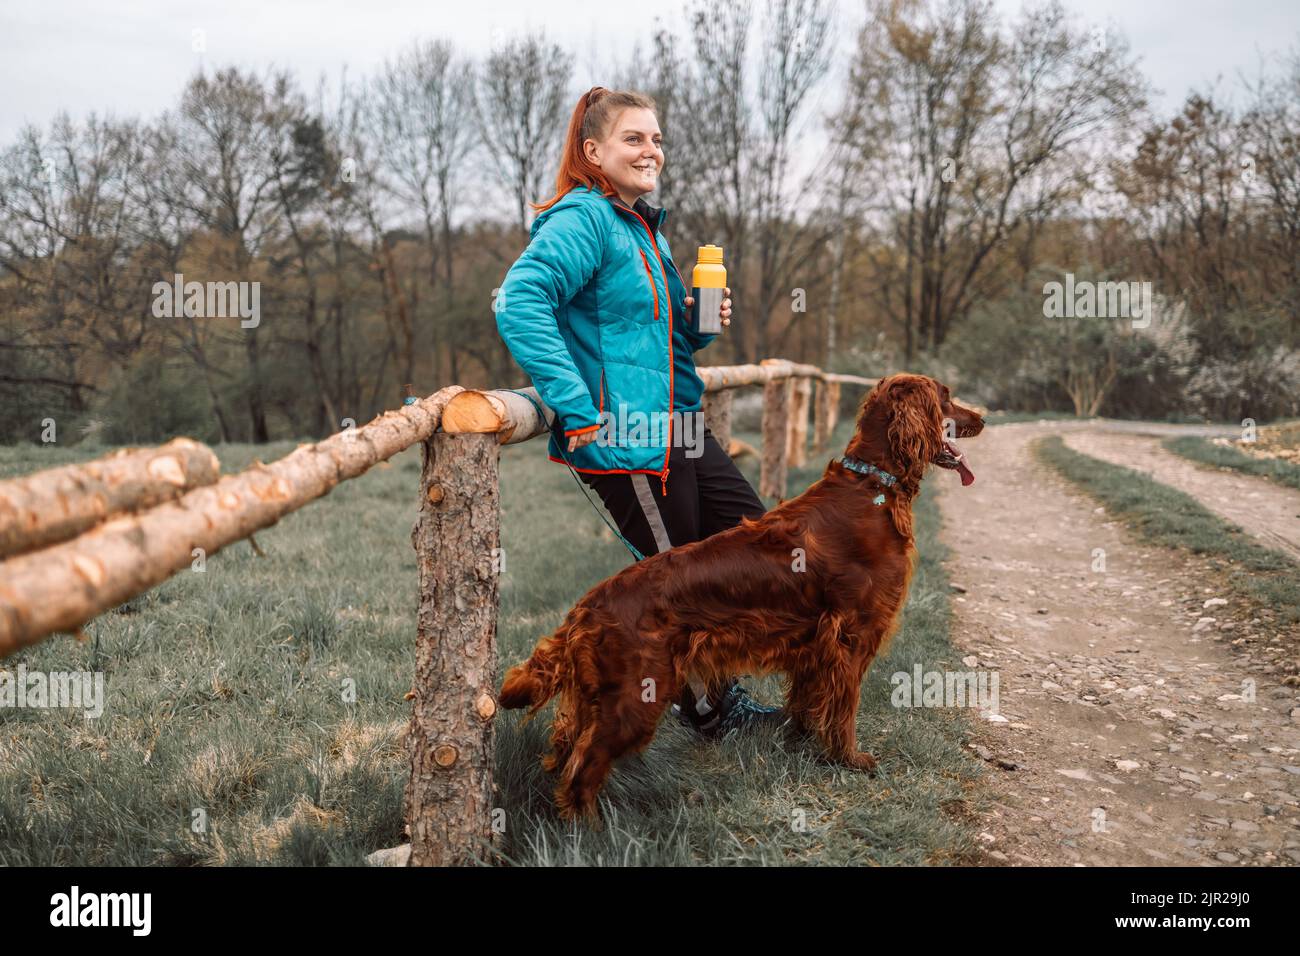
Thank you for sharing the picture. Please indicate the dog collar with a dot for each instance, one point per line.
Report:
(866, 468)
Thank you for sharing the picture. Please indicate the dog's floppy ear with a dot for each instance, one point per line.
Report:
(915, 424)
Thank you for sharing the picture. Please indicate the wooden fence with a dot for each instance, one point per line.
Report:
(80, 540)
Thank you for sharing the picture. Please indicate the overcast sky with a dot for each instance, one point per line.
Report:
(132, 57)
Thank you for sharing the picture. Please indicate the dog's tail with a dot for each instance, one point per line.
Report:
(536, 680)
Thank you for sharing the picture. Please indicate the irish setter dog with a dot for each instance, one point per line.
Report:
(812, 589)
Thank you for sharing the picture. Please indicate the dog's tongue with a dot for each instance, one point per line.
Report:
(967, 476)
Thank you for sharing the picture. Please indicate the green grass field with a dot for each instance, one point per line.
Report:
(1168, 517)
(1207, 452)
(226, 738)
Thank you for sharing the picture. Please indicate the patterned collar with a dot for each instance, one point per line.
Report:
(866, 468)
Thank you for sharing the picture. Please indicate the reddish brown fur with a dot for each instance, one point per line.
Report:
(733, 604)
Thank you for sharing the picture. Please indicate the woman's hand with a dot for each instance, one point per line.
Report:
(725, 311)
(586, 438)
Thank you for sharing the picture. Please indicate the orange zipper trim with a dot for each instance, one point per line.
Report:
(653, 288)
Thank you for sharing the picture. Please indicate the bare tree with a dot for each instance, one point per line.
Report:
(349, 213)
(732, 106)
(522, 99)
(159, 185)
(302, 164)
(795, 38)
(223, 145)
(78, 294)
(1271, 171)
(423, 102)
(960, 121)
(362, 186)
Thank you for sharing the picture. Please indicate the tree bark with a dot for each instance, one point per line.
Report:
(449, 796)
(827, 411)
(256, 406)
(716, 406)
(776, 425)
(797, 450)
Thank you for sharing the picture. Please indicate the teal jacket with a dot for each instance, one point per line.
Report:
(593, 311)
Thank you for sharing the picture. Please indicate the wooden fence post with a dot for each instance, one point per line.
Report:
(800, 396)
(717, 415)
(827, 406)
(776, 425)
(449, 798)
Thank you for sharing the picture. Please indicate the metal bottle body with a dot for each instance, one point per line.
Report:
(708, 281)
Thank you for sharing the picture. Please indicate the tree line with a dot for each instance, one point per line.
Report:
(965, 160)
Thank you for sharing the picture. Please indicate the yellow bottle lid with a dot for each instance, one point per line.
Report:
(709, 254)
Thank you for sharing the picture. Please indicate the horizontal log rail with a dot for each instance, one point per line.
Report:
(60, 503)
(718, 377)
(60, 588)
(513, 418)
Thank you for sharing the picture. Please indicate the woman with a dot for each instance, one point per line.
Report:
(595, 312)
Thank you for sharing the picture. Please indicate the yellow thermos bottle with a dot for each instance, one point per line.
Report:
(707, 282)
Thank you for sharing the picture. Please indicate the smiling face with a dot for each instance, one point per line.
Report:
(632, 156)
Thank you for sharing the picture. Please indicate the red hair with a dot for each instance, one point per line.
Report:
(595, 113)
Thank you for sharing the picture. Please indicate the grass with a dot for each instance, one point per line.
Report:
(1170, 518)
(227, 737)
(1218, 455)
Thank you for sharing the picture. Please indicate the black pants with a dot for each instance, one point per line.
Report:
(706, 494)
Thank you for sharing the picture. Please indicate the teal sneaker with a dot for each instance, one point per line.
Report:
(735, 712)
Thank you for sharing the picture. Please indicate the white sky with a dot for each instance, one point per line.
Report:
(133, 57)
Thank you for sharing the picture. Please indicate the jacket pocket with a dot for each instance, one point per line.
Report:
(649, 274)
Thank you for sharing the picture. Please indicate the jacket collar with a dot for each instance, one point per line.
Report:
(653, 215)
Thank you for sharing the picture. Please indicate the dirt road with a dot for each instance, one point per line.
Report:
(1268, 511)
(1137, 732)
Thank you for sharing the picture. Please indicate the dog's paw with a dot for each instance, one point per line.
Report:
(861, 761)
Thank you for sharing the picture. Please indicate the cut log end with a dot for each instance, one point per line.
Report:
(473, 412)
